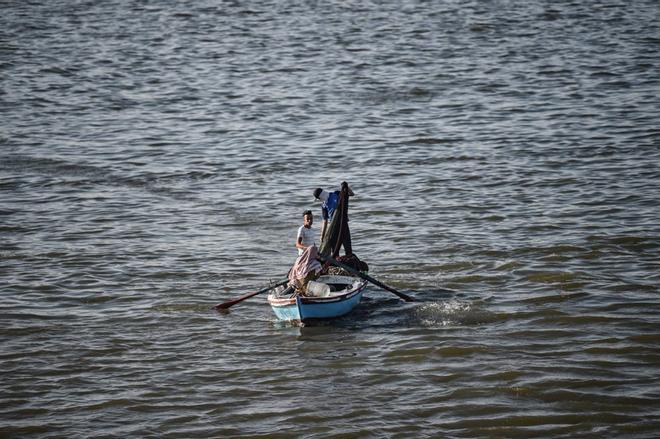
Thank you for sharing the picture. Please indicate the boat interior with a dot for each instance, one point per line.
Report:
(324, 286)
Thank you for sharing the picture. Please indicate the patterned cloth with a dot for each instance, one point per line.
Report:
(306, 268)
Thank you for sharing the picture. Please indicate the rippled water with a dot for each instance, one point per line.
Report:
(155, 160)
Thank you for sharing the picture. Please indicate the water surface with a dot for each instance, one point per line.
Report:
(156, 159)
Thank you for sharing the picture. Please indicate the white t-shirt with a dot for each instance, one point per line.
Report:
(307, 237)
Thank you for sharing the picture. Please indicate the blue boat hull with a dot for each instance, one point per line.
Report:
(303, 308)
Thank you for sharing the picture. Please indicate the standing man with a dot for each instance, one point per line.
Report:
(330, 203)
(305, 237)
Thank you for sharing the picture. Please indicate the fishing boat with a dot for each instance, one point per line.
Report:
(327, 297)
(312, 291)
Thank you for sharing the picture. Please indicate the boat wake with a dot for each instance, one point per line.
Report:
(451, 313)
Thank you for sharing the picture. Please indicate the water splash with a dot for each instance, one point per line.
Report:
(453, 312)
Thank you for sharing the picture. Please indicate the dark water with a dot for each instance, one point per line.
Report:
(155, 160)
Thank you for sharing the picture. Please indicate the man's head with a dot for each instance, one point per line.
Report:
(317, 192)
(308, 218)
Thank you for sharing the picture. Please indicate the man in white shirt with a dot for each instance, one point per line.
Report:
(305, 236)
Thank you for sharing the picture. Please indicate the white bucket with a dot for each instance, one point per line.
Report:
(317, 289)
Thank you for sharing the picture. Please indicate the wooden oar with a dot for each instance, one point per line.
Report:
(365, 277)
(226, 305)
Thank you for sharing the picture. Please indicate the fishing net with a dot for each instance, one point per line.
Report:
(337, 232)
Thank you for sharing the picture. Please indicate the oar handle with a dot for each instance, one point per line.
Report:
(365, 277)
